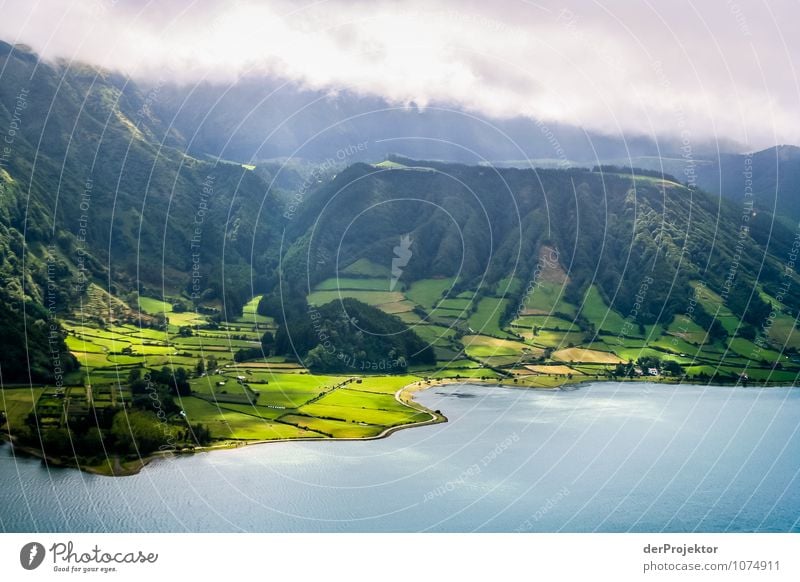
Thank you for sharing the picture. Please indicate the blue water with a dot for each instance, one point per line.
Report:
(605, 457)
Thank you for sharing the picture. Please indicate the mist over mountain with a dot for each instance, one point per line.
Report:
(769, 179)
(257, 119)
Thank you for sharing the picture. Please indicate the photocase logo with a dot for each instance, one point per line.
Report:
(402, 254)
(31, 555)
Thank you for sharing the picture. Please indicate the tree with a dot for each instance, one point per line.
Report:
(200, 367)
(267, 342)
(181, 382)
(212, 365)
(139, 431)
(201, 434)
(134, 375)
(672, 367)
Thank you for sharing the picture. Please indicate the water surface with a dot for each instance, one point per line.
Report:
(606, 457)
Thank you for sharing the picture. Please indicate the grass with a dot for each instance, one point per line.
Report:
(600, 314)
(350, 283)
(684, 328)
(428, 292)
(283, 390)
(468, 373)
(367, 415)
(349, 398)
(749, 350)
(366, 268)
(250, 313)
(715, 306)
(783, 331)
(500, 361)
(18, 403)
(214, 341)
(549, 322)
(307, 382)
(483, 346)
(92, 360)
(434, 334)
(228, 424)
(83, 344)
(486, 318)
(263, 412)
(154, 306)
(335, 428)
(554, 339)
(375, 298)
(458, 304)
(397, 307)
(187, 318)
(110, 344)
(409, 317)
(508, 286)
(676, 345)
(559, 370)
(383, 384)
(584, 355)
(547, 297)
(123, 360)
(389, 164)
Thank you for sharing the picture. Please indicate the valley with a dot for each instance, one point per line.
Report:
(231, 390)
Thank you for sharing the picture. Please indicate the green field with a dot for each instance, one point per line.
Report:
(351, 283)
(250, 314)
(479, 346)
(386, 418)
(366, 268)
(428, 292)
(376, 298)
(339, 429)
(547, 298)
(457, 304)
(154, 306)
(598, 313)
(18, 403)
(486, 319)
(228, 424)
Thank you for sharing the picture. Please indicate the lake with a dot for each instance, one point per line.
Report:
(604, 457)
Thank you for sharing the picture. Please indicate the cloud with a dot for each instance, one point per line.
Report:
(717, 69)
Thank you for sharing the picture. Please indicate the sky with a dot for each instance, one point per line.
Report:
(705, 70)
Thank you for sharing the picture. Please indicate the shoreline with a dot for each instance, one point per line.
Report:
(404, 395)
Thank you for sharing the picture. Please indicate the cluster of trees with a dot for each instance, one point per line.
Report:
(210, 364)
(265, 351)
(665, 366)
(32, 344)
(343, 335)
(148, 424)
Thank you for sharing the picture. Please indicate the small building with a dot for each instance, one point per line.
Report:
(652, 371)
